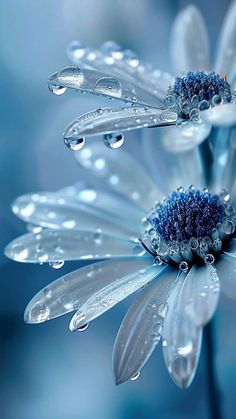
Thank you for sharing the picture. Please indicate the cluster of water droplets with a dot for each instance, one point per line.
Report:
(189, 250)
(196, 92)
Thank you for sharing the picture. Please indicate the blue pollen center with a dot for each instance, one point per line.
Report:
(204, 85)
(187, 214)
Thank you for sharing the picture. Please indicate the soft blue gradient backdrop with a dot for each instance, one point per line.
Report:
(46, 371)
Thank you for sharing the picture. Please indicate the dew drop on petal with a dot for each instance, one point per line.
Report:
(74, 143)
(83, 328)
(114, 141)
(109, 86)
(57, 264)
(136, 376)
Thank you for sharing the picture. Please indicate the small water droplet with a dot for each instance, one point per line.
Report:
(136, 376)
(183, 266)
(169, 116)
(56, 89)
(57, 264)
(83, 328)
(114, 140)
(109, 86)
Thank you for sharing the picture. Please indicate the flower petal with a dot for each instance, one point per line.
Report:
(110, 58)
(99, 83)
(169, 169)
(52, 211)
(71, 291)
(189, 42)
(55, 245)
(117, 169)
(185, 136)
(226, 55)
(226, 270)
(200, 294)
(111, 293)
(181, 339)
(117, 120)
(141, 328)
(221, 115)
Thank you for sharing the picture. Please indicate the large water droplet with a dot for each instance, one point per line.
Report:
(39, 313)
(169, 116)
(83, 328)
(54, 88)
(136, 376)
(74, 143)
(109, 86)
(114, 140)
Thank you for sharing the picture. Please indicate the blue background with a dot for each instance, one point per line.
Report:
(46, 372)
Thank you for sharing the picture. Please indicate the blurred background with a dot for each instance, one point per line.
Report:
(46, 372)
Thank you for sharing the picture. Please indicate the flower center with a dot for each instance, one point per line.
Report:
(197, 90)
(190, 225)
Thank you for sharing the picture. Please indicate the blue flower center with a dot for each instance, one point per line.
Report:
(187, 214)
(197, 90)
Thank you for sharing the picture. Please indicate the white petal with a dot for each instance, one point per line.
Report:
(99, 83)
(55, 245)
(181, 339)
(113, 60)
(141, 328)
(52, 211)
(118, 169)
(189, 42)
(186, 136)
(226, 270)
(71, 291)
(171, 169)
(113, 120)
(200, 294)
(111, 293)
(227, 44)
(221, 115)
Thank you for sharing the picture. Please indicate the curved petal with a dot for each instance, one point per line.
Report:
(110, 58)
(189, 42)
(52, 211)
(221, 115)
(99, 83)
(226, 48)
(200, 293)
(71, 291)
(181, 339)
(141, 328)
(170, 169)
(117, 120)
(111, 294)
(54, 245)
(118, 169)
(185, 136)
(226, 268)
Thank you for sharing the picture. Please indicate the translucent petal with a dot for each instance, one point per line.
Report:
(226, 49)
(189, 42)
(111, 293)
(52, 211)
(185, 136)
(226, 270)
(112, 120)
(99, 83)
(71, 291)
(117, 169)
(109, 202)
(141, 328)
(115, 61)
(171, 169)
(200, 293)
(55, 245)
(181, 339)
(221, 115)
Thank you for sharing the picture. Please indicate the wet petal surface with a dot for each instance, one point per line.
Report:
(71, 291)
(226, 270)
(141, 328)
(221, 115)
(185, 136)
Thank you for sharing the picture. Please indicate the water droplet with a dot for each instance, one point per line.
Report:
(216, 100)
(83, 328)
(203, 105)
(114, 141)
(169, 116)
(108, 86)
(57, 264)
(74, 143)
(39, 313)
(183, 266)
(194, 115)
(136, 376)
(19, 252)
(56, 89)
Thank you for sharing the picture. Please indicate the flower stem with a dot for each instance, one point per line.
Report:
(214, 396)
